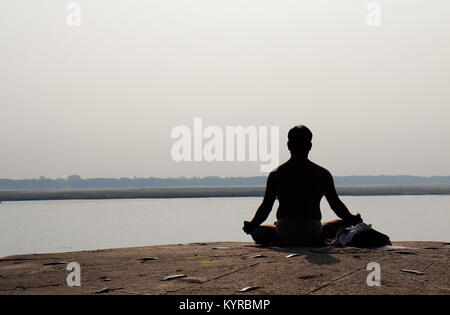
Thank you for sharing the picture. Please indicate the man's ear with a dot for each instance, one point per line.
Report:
(289, 145)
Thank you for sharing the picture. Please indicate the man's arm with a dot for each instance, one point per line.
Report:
(266, 206)
(335, 202)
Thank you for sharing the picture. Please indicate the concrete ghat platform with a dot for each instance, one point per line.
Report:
(227, 267)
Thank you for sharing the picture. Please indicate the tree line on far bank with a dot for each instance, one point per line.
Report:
(77, 182)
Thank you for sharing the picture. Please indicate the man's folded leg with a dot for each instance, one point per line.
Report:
(330, 228)
(265, 235)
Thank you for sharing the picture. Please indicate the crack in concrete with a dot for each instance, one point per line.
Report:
(215, 278)
(432, 263)
(231, 272)
(27, 259)
(26, 288)
(333, 281)
(337, 279)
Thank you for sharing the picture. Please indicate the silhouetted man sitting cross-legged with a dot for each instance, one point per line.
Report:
(299, 185)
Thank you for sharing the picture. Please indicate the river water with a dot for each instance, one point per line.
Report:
(68, 225)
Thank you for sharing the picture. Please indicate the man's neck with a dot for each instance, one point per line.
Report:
(299, 158)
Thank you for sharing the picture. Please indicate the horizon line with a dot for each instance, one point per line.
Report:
(78, 177)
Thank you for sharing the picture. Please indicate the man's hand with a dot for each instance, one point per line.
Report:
(248, 227)
(354, 219)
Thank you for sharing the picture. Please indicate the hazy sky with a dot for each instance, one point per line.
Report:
(100, 100)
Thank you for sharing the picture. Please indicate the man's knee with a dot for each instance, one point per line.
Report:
(264, 235)
(330, 228)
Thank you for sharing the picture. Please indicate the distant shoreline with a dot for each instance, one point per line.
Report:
(204, 192)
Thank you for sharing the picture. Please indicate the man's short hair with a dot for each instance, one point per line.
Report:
(299, 138)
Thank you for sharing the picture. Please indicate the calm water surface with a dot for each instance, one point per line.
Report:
(67, 225)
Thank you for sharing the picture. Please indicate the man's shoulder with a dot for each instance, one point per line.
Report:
(287, 167)
(280, 168)
(320, 169)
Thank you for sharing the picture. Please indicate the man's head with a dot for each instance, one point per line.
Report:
(299, 140)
